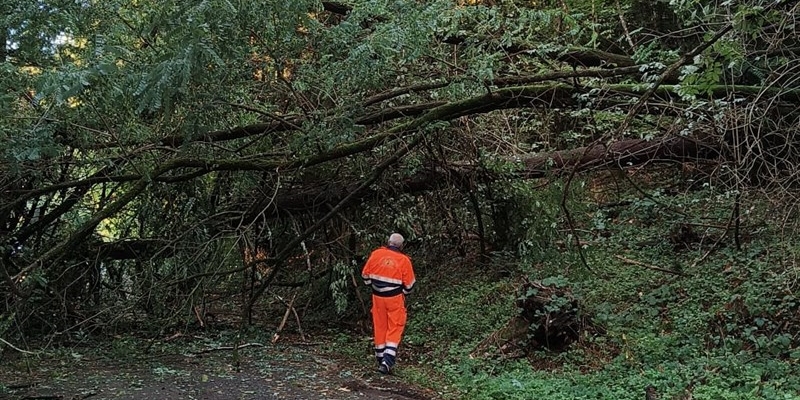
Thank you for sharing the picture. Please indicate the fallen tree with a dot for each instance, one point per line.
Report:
(319, 197)
(279, 138)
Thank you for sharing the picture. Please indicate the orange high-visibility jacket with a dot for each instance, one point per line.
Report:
(389, 272)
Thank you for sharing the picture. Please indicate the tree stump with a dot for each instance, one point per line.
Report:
(548, 318)
(552, 315)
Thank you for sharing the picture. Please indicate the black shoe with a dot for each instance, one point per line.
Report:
(384, 368)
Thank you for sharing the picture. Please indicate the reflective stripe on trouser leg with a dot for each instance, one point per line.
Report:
(390, 353)
(379, 353)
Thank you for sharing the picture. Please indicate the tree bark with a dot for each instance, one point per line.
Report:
(623, 154)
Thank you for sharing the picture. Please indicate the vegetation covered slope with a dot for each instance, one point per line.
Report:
(681, 305)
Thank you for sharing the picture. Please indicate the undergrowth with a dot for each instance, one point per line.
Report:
(689, 308)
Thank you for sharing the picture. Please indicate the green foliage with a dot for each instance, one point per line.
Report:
(526, 218)
(341, 285)
(729, 378)
(31, 146)
(726, 328)
(124, 348)
(361, 53)
(455, 314)
(6, 321)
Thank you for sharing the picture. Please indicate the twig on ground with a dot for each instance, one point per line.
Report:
(299, 327)
(19, 386)
(733, 220)
(289, 309)
(17, 348)
(221, 348)
(650, 266)
(199, 318)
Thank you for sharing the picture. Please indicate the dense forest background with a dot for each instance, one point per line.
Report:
(599, 195)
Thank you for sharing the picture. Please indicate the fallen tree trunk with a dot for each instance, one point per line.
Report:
(622, 154)
(579, 57)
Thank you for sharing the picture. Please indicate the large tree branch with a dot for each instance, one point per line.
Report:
(547, 95)
(286, 124)
(292, 122)
(580, 57)
(393, 113)
(403, 90)
(557, 75)
(132, 249)
(315, 198)
(622, 154)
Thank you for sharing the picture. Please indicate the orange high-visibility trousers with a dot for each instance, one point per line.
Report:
(388, 321)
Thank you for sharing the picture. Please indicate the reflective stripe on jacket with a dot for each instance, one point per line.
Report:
(389, 272)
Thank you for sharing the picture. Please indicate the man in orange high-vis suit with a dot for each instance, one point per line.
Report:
(390, 274)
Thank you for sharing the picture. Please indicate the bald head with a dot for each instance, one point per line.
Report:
(396, 240)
